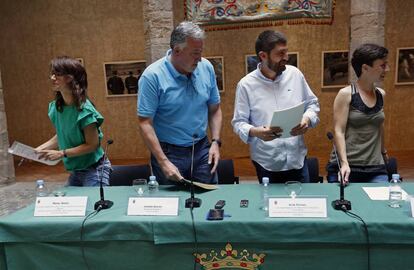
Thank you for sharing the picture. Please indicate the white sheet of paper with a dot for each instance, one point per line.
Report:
(28, 152)
(288, 119)
(60, 206)
(298, 207)
(153, 206)
(412, 206)
(381, 193)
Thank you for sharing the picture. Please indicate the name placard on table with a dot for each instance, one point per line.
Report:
(60, 206)
(153, 206)
(298, 207)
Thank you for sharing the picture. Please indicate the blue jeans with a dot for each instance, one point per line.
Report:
(280, 177)
(91, 176)
(359, 177)
(181, 158)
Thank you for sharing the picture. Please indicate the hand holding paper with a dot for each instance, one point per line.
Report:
(289, 120)
(301, 128)
(49, 154)
(28, 152)
(266, 133)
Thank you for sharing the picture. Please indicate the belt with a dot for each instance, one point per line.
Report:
(183, 147)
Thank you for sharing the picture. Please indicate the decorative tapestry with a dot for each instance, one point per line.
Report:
(228, 14)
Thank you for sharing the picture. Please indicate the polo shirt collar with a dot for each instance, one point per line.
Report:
(174, 72)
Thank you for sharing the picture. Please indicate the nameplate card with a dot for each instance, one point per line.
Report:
(60, 206)
(298, 207)
(153, 206)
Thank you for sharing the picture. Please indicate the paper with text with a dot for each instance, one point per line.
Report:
(60, 206)
(28, 152)
(153, 206)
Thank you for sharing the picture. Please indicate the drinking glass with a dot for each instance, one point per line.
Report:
(140, 186)
(293, 188)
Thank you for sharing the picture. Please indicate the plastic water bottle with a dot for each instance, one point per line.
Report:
(395, 191)
(152, 185)
(265, 193)
(41, 190)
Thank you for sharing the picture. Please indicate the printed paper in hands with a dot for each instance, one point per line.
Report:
(288, 118)
(28, 152)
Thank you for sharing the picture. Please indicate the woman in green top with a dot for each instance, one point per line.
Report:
(359, 120)
(77, 124)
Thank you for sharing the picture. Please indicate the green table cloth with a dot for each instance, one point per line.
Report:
(113, 240)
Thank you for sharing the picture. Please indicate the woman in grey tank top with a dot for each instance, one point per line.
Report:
(359, 120)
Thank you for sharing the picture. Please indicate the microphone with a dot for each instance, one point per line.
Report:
(102, 203)
(340, 204)
(192, 202)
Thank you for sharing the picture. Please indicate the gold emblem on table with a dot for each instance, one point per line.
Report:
(229, 259)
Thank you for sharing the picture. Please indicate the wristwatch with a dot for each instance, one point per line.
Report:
(64, 153)
(218, 141)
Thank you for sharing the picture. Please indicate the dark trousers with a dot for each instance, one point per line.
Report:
(181, 158)
(301, 175)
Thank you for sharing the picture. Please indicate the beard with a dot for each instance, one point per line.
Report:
(277, 67)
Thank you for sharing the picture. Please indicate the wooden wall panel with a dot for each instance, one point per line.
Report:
(33, 32)
(400, 98)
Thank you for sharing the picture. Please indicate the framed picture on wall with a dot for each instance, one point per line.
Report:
(334, 69)
(404, 71)
(121, 78)
(252, 60)
(80, 60)
(218, 64)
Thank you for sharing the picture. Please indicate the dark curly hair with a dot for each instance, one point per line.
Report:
(66, 66)
(366, 54)
(267, 40)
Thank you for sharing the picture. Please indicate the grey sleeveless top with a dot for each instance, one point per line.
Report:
(363, 135)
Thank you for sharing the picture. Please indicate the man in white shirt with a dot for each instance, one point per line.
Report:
(274, 86)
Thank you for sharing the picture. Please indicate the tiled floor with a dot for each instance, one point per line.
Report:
(20, 194)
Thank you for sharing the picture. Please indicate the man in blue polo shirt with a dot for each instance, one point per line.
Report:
(178, 97)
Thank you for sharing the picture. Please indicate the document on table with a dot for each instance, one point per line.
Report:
(381, 193)
(201, 185)
(288, 118)
(28, 152)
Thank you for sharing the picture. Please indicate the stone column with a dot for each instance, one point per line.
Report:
(6, 160)
(158, 24)
(367, 25)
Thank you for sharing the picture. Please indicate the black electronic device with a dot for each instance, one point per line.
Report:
(244, 203)
(102, 203)
(215, 214)
(192, 202)
(341, 203)
(220, 204)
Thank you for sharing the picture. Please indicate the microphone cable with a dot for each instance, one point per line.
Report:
(195, 238)
(353, 215)
(90, 215)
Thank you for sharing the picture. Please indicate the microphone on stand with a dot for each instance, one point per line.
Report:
(192, 202)
(340, 204)
(102, 203)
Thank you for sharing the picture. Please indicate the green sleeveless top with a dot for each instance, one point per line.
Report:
(363, 135)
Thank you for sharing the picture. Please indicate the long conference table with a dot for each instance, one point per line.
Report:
(245, 238)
